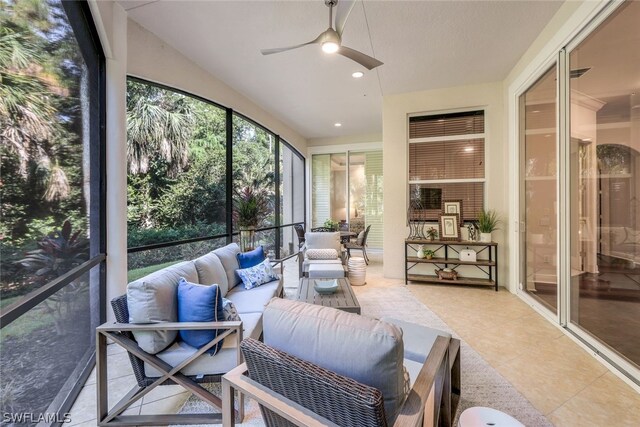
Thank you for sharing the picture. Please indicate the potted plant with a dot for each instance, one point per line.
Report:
(250, 208)
(488, 221)
(428, 253)
(331, 224)
(431, 233)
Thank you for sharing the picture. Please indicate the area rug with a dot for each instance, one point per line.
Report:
(481, 384)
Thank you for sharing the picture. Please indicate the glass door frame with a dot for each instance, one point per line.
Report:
(560, 57)
(335, 149)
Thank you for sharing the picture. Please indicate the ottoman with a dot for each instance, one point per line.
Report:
(326, 271)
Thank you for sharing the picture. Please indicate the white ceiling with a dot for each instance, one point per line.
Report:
(423, 44)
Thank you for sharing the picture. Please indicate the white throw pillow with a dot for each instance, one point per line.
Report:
(230, 311)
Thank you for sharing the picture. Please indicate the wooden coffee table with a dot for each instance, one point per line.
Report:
(343, 299)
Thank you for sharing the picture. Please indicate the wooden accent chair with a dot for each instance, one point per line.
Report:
(349, 246)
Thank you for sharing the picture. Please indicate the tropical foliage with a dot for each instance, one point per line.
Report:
(41, 149)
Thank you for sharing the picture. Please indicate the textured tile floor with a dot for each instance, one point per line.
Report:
(559, 378)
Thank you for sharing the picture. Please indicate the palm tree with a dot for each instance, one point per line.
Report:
(159, 126)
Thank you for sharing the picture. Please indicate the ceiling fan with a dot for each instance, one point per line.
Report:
(331, 39)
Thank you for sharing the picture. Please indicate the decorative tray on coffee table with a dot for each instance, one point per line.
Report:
(325, 286)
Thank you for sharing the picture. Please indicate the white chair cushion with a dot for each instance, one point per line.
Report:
(418, 339)
(318, 254)
(322, 240)
(327, 271)
(365, 349)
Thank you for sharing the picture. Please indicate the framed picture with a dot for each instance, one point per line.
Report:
(452, 207)
(449, 226)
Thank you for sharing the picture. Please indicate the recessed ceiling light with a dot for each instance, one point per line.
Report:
(337, 124)
(357, 74)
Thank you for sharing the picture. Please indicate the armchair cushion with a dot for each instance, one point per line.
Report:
(323, 240)
(360, 238)
(199, 303)
(153, 299)
(315, 254)
(251, 258)
(210, 270)
(367, 350)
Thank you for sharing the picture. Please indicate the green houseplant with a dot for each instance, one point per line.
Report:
(331, 224)
(488, 221)
(250, 209)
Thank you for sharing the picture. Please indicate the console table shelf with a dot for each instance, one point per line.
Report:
(451, 260)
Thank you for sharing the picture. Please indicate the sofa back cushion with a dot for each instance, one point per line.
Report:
(154, 299)
(210, 270)
(323, 240)
(367, 350)
(228, 257)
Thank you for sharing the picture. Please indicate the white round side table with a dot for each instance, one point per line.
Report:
(480, 416)
(357, 271)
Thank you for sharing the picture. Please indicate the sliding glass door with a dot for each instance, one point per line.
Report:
(604, 183)
(580, 187)
(347, 188)
(539, 207)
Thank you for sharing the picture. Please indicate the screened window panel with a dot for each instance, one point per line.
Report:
(298, 189)
(471, 194)
(446, 125)
(462, 159)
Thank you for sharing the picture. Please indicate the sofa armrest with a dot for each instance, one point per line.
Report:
(168, 326)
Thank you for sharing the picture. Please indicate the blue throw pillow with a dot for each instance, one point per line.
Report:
(251, 258)
(199, 303)
(257, 275)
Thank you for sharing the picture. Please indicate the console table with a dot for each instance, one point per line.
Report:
(451, 260)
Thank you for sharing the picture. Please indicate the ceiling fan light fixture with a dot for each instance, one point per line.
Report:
(330, 47)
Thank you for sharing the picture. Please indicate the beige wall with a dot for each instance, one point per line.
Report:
(152, 59)
(396, 109)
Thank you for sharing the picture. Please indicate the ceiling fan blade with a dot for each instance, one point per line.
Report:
(365, 60)
(284, 49)
(343, 9)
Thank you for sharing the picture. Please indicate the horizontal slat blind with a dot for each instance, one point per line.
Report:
(446, 124)
(446, 155)
(471, 194)
(373, 202)
(446, 160)
(321, 183)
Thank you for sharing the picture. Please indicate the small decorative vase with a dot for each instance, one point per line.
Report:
(485, 237)
(420, 253)
(247, 239)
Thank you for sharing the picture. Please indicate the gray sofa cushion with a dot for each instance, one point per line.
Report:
(323, 240)
(418, 339)
(223, 361)
(227, 255)
(211, 271)
(253, 300)
(367, 350)
(153, 299)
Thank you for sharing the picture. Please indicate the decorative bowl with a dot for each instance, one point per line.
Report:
(326, 287)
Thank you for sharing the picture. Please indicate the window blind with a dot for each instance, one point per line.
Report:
(321, 183)
(446, 148)
(373, 202)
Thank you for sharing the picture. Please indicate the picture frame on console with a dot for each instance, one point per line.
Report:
(452, 207)
(449, 224)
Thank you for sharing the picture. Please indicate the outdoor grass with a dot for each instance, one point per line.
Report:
(27, 323)
(141, 272)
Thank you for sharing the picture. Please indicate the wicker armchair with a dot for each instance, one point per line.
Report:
(294, 392)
